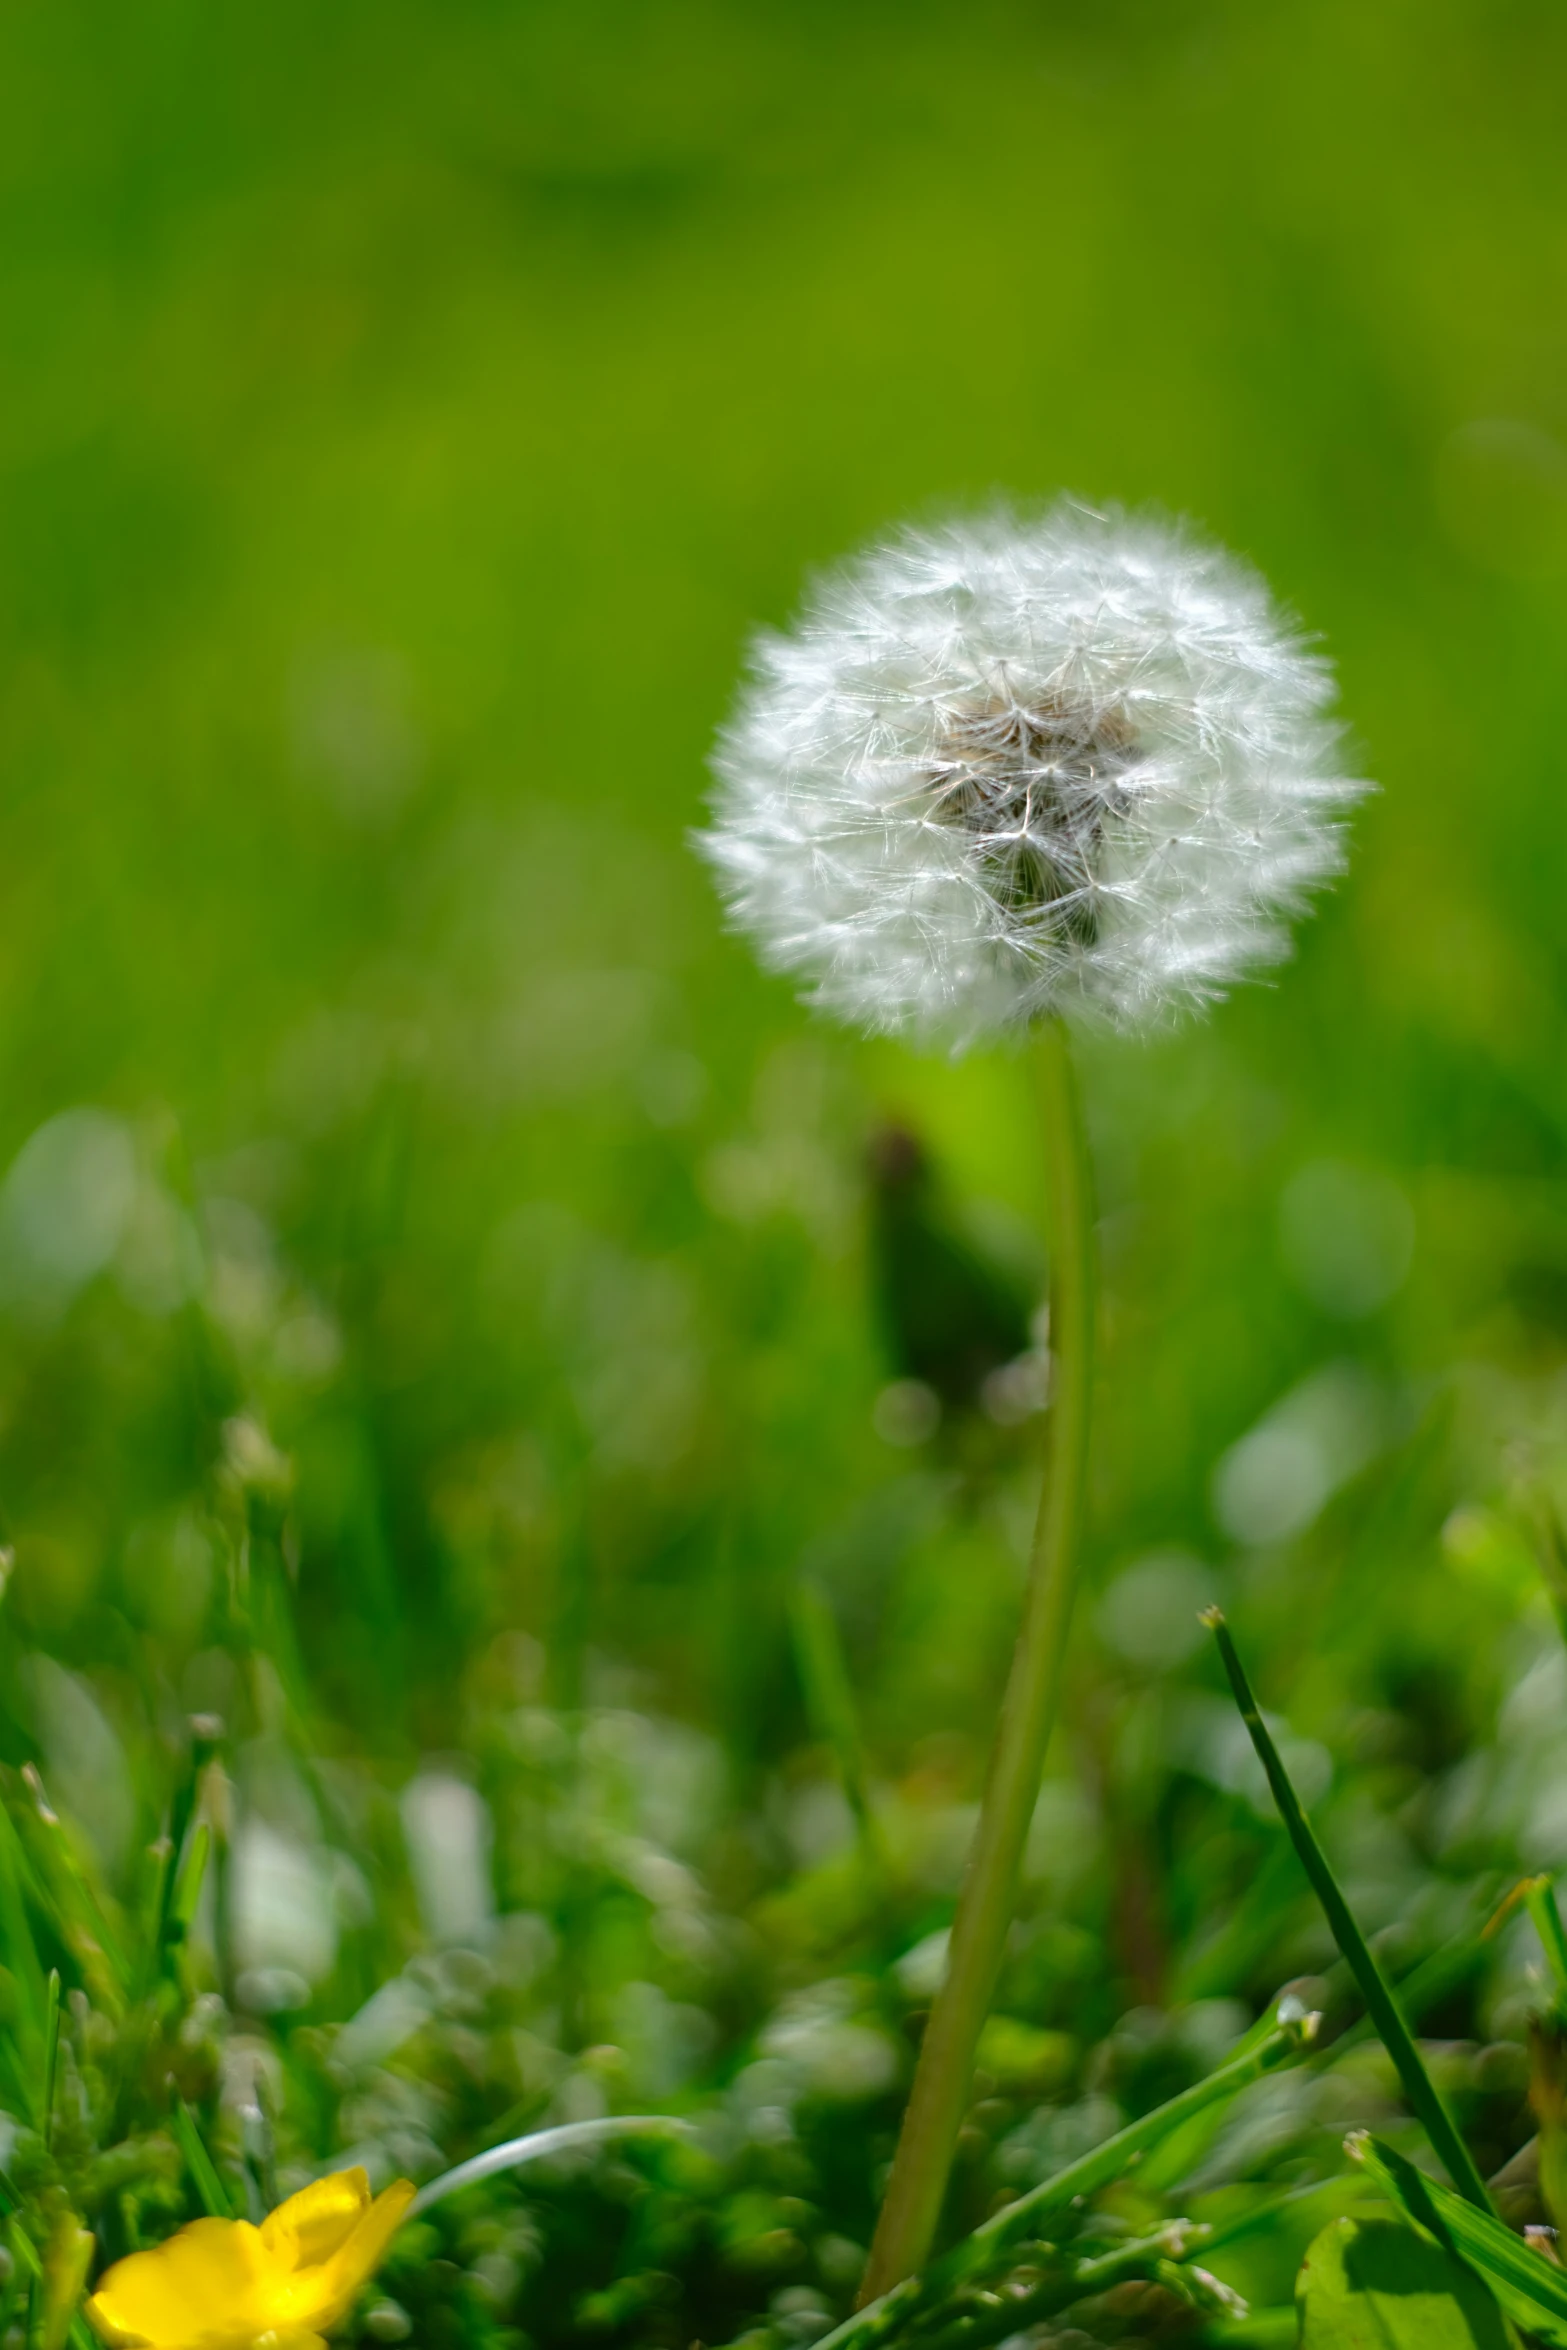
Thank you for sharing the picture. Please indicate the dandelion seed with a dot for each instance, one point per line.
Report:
(1003, 769)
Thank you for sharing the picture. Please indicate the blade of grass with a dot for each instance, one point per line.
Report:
(16, 1935)
(187, 1894)
(984, 2318)
(1278, 2041)
(51, 2056)
(1180, 2149)
(829, 1701)
(67, 2258)
(1540, 1897)
(214, 2197)
(172, 1919)
(77, 1903)
(260, 2140)
(1548, 1539)
(1381, 2004)
(535, 2147)
(1423, 1987)
(1289, 2035)
(25, 2254)
(1262, 2215)
(1532, 2291)
(157, 1865)
(1264, 2329)
(1235, 1950)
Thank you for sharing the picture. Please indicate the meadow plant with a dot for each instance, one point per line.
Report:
(1064, 772)
(1004, 774)
(439, 1364)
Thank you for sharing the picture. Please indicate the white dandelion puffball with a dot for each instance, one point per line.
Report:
(1005, 768)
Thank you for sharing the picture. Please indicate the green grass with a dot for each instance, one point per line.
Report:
(405, 416)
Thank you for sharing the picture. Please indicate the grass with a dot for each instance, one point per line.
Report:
(468, 1340)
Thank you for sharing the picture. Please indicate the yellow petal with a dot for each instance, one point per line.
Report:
(323, 2296)
(311, 2225)
(212, 2286)
(104, 2326)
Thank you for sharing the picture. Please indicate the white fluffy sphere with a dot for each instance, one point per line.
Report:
(1002, 768)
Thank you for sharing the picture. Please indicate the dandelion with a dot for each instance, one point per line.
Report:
(221, 2284)
(1002, 769)
(1003, 775)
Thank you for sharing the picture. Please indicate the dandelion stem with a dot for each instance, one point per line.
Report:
(944, 2074)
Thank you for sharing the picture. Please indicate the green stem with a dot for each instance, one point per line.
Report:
(944, 2074)
(1375, 1990)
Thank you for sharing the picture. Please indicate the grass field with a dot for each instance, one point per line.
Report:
(440, 1322)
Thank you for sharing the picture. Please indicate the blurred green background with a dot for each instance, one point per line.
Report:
(430, 1251)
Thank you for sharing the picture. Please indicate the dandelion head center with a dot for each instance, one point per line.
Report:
(1036, 783)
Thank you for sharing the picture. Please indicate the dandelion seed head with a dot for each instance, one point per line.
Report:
(1003, 768)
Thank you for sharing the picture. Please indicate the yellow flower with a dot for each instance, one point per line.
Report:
(221, 2284)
